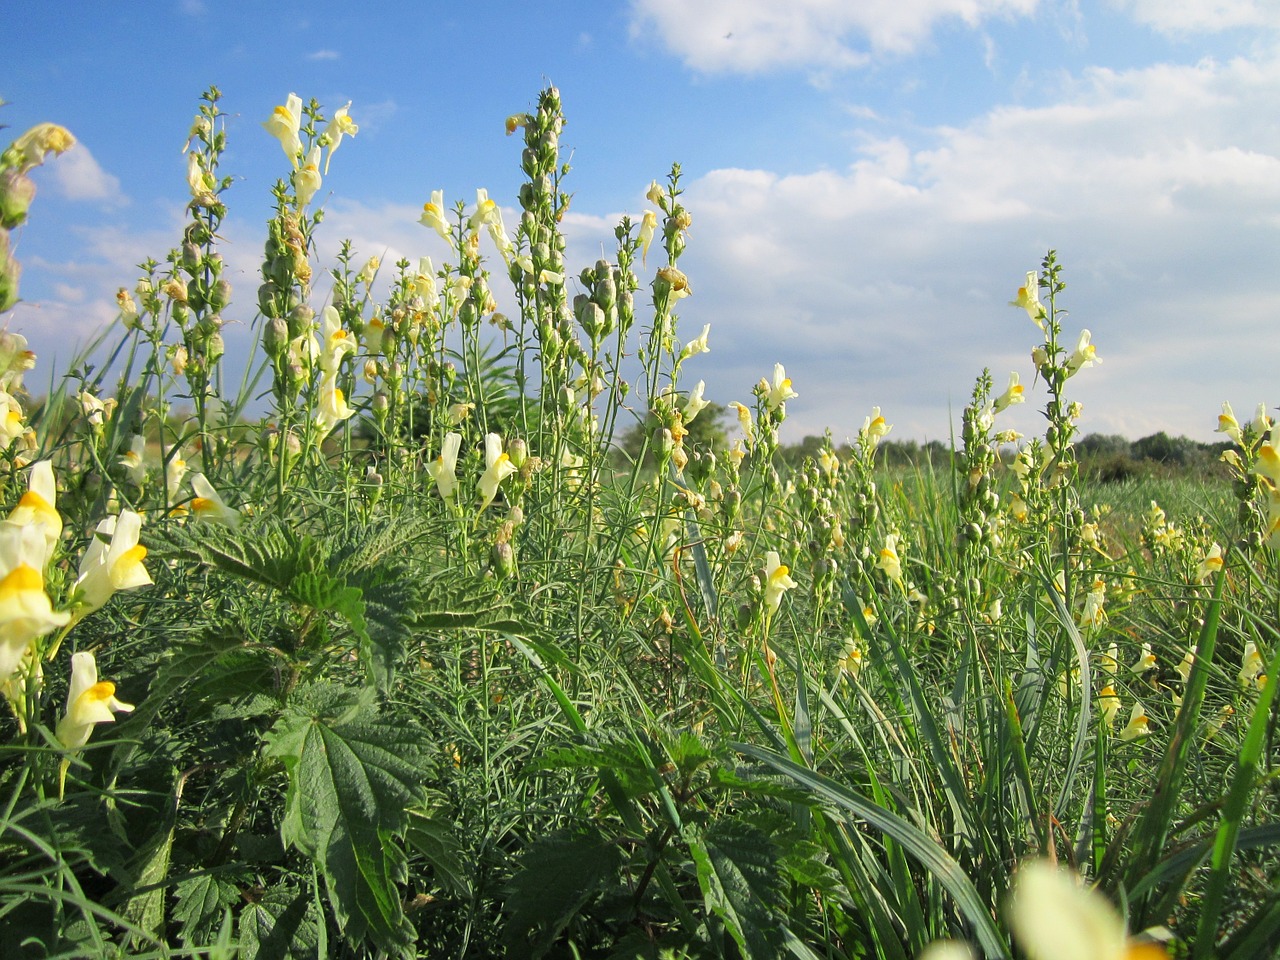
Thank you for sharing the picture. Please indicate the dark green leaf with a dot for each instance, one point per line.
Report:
(741, 883)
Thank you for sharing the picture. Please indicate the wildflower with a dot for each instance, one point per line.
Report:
(284, 125)
(1138, 724)
(735, 453)
(25, 609)
(369, 271)
(459, 411)
(1217, 723)
(516, 121)
(655, 194)
(648, 223)
(200, 127)
(777, 582)
(340, 126)
(695, 404)
(676, 282)
(1261, 422)
(1012, 394)
(1054, 917)
(1109, 662)
(424, 284)
(443, 469)
(332, 408)
(1210, 565)
(179, 360)
(307, 179)
(1028, 298)
(36, 508)
(1250, 664)
(175, 468)
(15, 360)
(850, 660)
(209, 506)
(31, 149)
(12, 424)
(1018, 508)
(199, 182)
(111, 562)
(828, 463)
(1084, 354)
(1228, 424)
(90, 701)
(744, 421)
(337, 341)
(779, 391)
(433, 215)
(1268, 464)
(889, 561)
(697, 345)
(1109, 704)
(1184, 668)
(1093, 614)
(489, 215)
(1146, 660)
(874, 429)
(497, 467)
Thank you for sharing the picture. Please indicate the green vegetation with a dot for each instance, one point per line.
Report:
(466, 651)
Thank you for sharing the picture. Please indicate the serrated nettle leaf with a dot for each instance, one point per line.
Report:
(281, 925)
(556, 876)
(741, 883)
(351, 783)
(200, 903)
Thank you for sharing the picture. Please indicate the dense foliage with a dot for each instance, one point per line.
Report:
(429, 661)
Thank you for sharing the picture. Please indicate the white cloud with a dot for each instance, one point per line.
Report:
(79, 177)
(1199, 16)
(324, 55)
(749, 36)
(887, 282)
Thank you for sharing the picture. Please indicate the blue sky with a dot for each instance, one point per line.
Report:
(868, 181)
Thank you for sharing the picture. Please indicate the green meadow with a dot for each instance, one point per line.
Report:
(490, 638)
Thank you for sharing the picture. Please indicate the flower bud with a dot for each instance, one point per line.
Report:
(219, 295)
(17, 190)
(504, 560)
(518, 452)
(300, 319)
(275, 337)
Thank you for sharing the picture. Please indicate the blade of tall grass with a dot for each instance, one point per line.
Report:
(940, 864)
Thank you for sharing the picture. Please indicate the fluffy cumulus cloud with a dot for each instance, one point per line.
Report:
(1188, 16)
(79, 176)
(749, 36)
(887, 282)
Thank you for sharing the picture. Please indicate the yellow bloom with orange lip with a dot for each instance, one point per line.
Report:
(208, 505)
(332, 408)
(307, 180)
(90, 701)
(1138, 725)
(1014, 393)
(889, 561)
(36, 508)
(444, 468)
(1028, 298)
(1228, 424)
(285, 124)
(25, 609)
(648, 224)
(1210, 565)
(112, 562)
(779, 391)
(433, 215)
(497, 467)
(340, 126)
(777, 582)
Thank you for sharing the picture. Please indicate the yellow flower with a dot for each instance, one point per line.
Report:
(209, 506)
(1093, 614)
(648, 223)
(1268, 464)
(744, 421)
(337, 341)
(90, 701)
(1228, 424)
(30, 149)
(1184, 668)
(1210, 565)
(444, 468)
(1084, 354)
(655, 193)
(25, 609)
(307, 179)
(340, 126)
(697, 345)
(1012, 394)
(1146, 660)
(695, 404)
(850, 660)
(175, 469)
(284, 125)
(1250, 664)
(36, 508)
(1055, 917)
(889, 561)
(111, 562)
(1028, 298)
(433, 215)
(777, 582)
(779, 391)
(1138, 724)
(497, 467)
(1109, 704)
(874, 429)
(332, 408)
